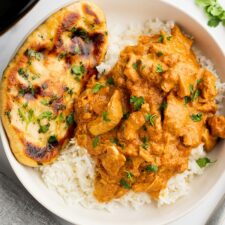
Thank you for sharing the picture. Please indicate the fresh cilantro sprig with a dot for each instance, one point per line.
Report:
(214, 11)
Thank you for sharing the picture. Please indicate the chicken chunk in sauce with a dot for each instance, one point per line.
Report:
(140, 121)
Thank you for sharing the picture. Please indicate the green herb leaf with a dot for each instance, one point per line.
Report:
(136, 64)
(195, 95)
(213, 10)
(169, 38)
(129, 175)
(159, 69)
(70, 119)
(163, 106)
(61, 117)
(45, 115)
(97, 87)
(137, 102)
(21, 115)
(196, 117)
(30, 53)
(161, 38)
(205, 3)
(114, 141)
(7, 113)
(151, 119)
(30, 114)
(126, 115)
(145, 143)
(151, 168)
(95, 142)
(187, 99)
(52, 140)
(125, 184)
(77, 50)
(214, 22)
(159, 53)
(110, 81)
(45, 102)
(43, 129)
(202, 162)
(78, 70)
(61, 55)
(105, 117)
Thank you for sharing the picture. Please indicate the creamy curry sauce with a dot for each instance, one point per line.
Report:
(140, 121)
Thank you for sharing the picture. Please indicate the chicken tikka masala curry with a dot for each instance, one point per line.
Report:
(141, 120)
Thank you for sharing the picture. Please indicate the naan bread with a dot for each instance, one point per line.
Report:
(41, 83)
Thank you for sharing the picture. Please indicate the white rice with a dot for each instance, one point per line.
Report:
(72, 174)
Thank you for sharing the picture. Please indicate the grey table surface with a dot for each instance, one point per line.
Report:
(10, 191)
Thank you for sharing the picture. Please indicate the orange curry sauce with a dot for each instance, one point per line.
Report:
(140, 121)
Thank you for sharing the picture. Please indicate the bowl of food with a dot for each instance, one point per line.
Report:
(114, 115)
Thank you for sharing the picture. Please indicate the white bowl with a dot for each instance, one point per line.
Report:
(124, 12)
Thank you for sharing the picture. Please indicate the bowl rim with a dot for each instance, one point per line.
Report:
(9, 153)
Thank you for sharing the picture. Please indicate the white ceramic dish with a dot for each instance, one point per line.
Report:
(124, 12)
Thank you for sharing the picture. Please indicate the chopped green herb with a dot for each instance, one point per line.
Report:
(45, 102)
(169, 38)
(136, 64)
(124, 184)
(21, 115)
(77, 50)
(110, 81)
(202, 162)
(43, 129)
(195, 94)
(114, 141)
(95, 142)
(196, 117)
(97, 87)
(78, 70)
(187, 99)
(70, 91)
(61, 117)
(191, 88)
(106, 33)
(214, 11)
(159, 69)
(73, 29)
(70, 119)
(161, 38)
(145, 143)
(45, 115)
(7, 113)
(159, 53)
(30, 114)
(151, 119)
(79, 32)
(28, 90)
(25, 105)
(52, 140)
(23, 74)
(33, 54)
(129, 175)
(199, 81)
(151, 168)
(137, 102)
(105, 117)
(61, 55)
(144, 128)
(163, 106)
(126, 115)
